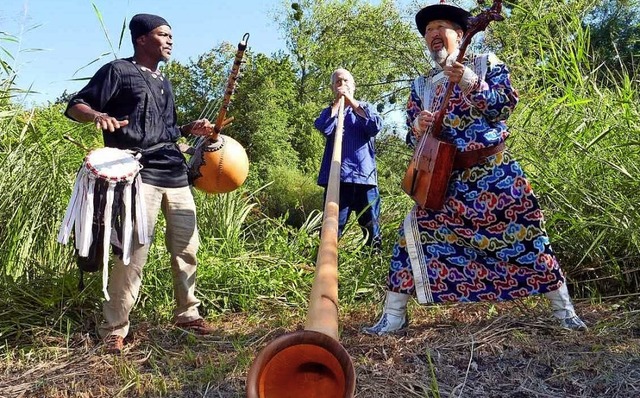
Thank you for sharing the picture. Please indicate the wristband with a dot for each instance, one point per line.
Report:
(98, 118)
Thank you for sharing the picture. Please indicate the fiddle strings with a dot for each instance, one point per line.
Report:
(429, 105)
(209, 109)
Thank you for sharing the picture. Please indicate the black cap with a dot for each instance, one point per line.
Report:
(444, 12)
(141, 24)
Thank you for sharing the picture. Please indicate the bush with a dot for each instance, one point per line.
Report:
(291, 194)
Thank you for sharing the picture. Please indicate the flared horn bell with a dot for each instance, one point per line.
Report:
(305, 364)
(311, 363)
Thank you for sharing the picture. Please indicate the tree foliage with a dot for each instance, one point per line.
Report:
(380, 49)
(262, 107)
(615, 32)
(199, 85)
(279, 96)
(575, 128)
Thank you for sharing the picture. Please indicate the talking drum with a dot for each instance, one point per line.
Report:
(106, 196)
(218, 166)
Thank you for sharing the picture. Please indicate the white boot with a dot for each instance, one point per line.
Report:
(563, 309)
(394, 316)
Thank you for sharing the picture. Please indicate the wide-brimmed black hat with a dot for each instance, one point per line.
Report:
(444, 12)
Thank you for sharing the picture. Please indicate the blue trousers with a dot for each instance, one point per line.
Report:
(364, 200)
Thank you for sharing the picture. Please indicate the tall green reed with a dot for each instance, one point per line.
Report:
(35, 177)
(37, 169)
(576, 134)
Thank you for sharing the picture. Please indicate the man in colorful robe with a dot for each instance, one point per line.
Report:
(487, 242)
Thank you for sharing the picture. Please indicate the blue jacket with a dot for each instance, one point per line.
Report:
(358, 150)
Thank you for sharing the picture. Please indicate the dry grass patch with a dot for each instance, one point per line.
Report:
(509, 350)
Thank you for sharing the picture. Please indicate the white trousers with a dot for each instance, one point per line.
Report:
(182, 242)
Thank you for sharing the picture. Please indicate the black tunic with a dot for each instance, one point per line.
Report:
(125, 90)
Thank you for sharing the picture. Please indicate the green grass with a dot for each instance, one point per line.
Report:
(575, 132)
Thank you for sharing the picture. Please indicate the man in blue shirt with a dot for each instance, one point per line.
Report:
(358, 174)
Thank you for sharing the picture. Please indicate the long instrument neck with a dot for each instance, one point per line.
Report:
(230, 87)
(437, 123)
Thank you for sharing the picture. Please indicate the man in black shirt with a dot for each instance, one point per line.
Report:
(133, 104)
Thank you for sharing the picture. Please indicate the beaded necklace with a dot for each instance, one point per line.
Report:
(154, 74)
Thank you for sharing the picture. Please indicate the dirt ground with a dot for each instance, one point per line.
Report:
(510, 350)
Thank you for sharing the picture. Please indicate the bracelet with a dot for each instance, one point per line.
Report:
(98, 118)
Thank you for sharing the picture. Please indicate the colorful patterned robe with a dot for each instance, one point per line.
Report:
(488, 241)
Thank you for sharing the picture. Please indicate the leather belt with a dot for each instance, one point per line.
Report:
(468, 159)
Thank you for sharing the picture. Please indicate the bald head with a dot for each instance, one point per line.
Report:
(342, 77)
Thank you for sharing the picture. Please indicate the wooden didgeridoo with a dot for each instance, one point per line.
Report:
(311, 363)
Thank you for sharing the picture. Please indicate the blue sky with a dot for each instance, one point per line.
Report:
(58, 37)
